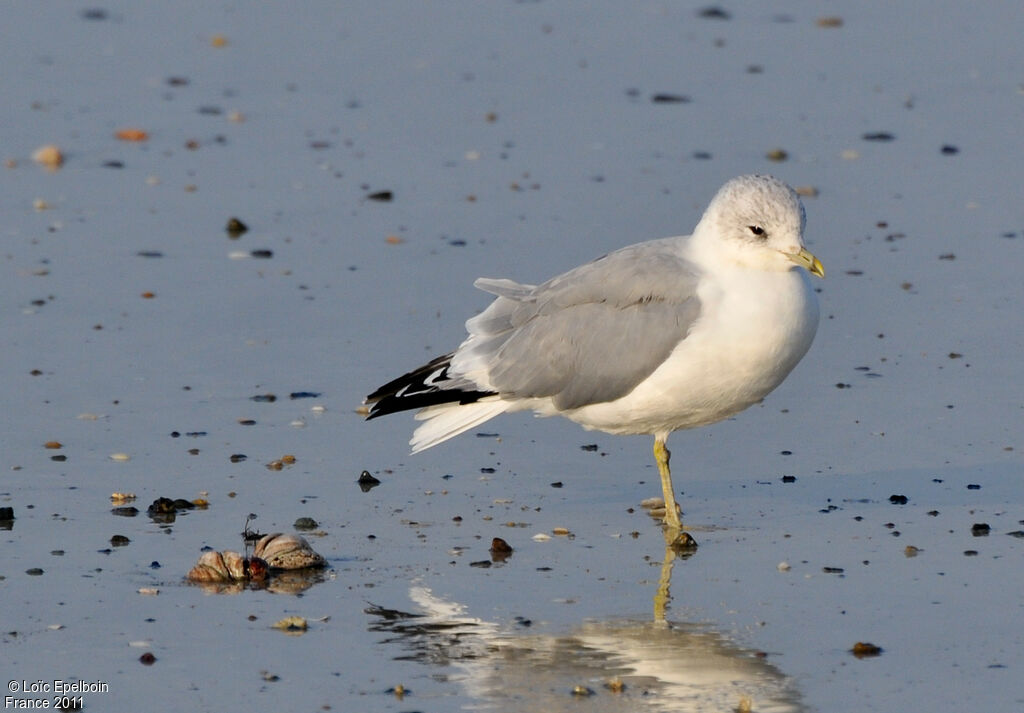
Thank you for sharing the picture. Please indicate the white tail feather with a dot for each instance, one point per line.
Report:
(446, 421)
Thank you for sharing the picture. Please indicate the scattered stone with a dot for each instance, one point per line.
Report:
(980, 529)
(863, 649)
(500, 550)
(147, 659)
(879, 136)
(777, 155)
(367, 482)
(236, 228)
(898, 499)
(380, 196)
(306, 524)
(48, 156)
(666, 98)
(714, 12)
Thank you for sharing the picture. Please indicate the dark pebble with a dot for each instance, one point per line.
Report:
(149, 253)
(970, 553)
(119, 541)
(304, 395)
(94, 13)
(263, 398)
(6, 513)
(1016, 533)
(557, 484)
(950, 150)
(973, 486)
(878, 136)
(898, 499)
(126, 511)
(789, 479)
(238, 457)
(113, 164)
(589, 447)
(235, 227)
(499, 546)
(664, 98)
(714, 12)
(487, 470)
(306, 523)
(367, 482)
(147, 659)
(832, 570)
(483, 564)
(980, 529)
(381, 196)
(262, 254)
(34, 571)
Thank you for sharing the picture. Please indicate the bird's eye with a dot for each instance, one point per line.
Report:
(756, 230)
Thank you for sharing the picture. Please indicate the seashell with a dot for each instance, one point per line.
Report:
(210, 568)
(282, 551)
(227, 566)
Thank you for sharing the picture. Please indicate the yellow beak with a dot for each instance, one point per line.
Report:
(805, 259)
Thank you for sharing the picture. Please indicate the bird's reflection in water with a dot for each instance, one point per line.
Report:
(610, 665)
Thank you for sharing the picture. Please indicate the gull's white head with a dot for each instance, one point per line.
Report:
(759, 221)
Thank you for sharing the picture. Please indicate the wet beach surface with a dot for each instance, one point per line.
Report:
(382, 157)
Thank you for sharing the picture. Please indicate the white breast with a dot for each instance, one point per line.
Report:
(755, 326)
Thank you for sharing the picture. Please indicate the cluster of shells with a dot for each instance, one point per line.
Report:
(274, 556)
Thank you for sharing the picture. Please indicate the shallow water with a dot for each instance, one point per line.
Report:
(517, 140)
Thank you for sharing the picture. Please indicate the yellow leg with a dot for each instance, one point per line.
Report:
(661, 455)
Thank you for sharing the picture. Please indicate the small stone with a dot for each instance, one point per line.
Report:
(48, 156)
(898, 499)
(235, 227)
(864, 649)
(980, 529)
(147, 659)
(500, 547)
(367, 482)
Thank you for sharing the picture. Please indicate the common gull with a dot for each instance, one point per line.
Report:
(651, 338)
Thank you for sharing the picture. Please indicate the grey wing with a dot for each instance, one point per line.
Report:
(589, 335)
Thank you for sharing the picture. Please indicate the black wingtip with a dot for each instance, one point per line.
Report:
(418, 389)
